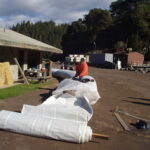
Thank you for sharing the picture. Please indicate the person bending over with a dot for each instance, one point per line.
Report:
(81, 69)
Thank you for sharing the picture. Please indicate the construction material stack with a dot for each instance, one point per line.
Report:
(6, 77)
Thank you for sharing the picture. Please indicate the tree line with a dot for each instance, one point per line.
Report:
(125, 25)
(47, 32)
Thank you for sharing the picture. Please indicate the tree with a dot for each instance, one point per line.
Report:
(74, 41)
(47, 32)
(96, 21)
(127, 21)
(82, 34)
(134, 19)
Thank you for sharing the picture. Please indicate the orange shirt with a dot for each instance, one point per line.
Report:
(82, 69)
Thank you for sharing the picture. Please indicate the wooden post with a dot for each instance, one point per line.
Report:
(50, 69)
(20, 69)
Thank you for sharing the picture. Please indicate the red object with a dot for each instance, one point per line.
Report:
(82, 69)
(135, 58)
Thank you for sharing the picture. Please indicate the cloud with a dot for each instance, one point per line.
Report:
(60, 11)
(13, 20)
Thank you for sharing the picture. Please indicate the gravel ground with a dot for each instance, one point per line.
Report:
(128, 91)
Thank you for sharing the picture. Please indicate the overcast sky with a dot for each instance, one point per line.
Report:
(60, 11)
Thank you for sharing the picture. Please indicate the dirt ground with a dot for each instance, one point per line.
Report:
(129, 91)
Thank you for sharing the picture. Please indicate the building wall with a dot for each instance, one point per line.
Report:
(135, 58)
(101, 58)
(14, 69)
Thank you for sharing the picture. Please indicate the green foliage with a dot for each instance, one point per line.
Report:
(97, 20)
(120, 44)
(133, 17)
(81, 36)
(147, 55)
(21, 89)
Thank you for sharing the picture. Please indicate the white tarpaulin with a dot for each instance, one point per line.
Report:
(88, 89)
(63, 106)
(45, 127)
(63, 73)
(63, 116)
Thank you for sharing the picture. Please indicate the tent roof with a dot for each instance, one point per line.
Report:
(13, 39)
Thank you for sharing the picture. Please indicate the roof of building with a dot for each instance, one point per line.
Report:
(13, 39)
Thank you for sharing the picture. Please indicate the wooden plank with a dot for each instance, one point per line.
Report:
(20, 69)
(103, 136)
(45, 77)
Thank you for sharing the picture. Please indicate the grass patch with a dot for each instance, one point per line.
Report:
(21, 89)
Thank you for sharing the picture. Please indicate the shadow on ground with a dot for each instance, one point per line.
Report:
(136, 102)
(46, 95)
(145, 99)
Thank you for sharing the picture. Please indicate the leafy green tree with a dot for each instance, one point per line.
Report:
(81, 35)
(134, 19)
(98, 20)
(74, 41)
